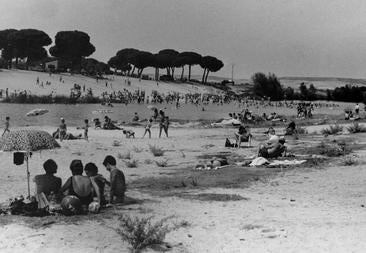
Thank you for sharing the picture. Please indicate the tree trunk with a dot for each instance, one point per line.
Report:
(133, 70)
(206, 76)
(173, 72)
(203, 76)
(189, 73)
(181, 76)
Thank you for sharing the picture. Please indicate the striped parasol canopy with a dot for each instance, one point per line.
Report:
(27, 140)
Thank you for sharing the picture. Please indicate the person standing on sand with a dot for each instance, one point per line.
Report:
(166, 125)
(7, 125)
(86, 129)
(161, 121)
(117, 181)
(148, 128)
(62, 129)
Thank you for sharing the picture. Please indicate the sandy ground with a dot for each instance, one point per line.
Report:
(301, 210)
(19, 80)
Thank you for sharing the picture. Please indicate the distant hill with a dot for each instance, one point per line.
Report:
(320, 82)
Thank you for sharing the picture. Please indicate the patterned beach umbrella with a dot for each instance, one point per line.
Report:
(27, 141)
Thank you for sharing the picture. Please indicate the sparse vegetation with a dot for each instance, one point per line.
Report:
(148, 161)
(356, 128)
(141, 233)
(137, 149)
(349, 161)
(116, 143)
(131, 163)
(125, 156)
(156, 151)
(332, 130)
(301, 130)
(334, 149)
(162, 162)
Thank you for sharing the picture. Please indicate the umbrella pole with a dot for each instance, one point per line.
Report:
(28, 174)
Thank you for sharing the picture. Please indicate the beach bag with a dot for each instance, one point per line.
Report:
(18, 158)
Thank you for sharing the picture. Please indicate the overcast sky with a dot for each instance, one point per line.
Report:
(286, 37)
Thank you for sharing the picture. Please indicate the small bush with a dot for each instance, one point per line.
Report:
(162, 163)
(116, 143)
(148, 161)
(332, 130)
(131, 163)
(334, 149)
(137, 149)
(301, 130)
(349, 161)
(156, 151)
(125, 156)
(356, 128)
(141, 233)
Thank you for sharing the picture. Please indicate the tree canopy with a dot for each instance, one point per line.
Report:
(72, 46)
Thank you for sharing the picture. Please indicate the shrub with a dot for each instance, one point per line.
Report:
(349, 161)
(162, 163)
(301, 130)
(148, 161)
(141, 233)
(125, 156)
(131, 163)
(156, 151)
(356, 128)
(137, 149)
(116, 143)
(334, 149)
(332, 130)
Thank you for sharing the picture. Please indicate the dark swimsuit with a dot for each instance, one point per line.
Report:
(84, 200)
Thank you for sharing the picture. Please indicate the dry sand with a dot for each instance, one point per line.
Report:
(300, 210)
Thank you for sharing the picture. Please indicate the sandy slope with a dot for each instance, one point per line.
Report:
(303, 210)
(26, 80)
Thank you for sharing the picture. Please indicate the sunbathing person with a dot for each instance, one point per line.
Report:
(274, 148)
(80, 186)
(48, 183)
(243, 135)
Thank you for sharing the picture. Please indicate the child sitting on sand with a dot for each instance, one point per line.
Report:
(129, 133)
(117, 181)
(148, 128)
(91, 170)
(7, 125)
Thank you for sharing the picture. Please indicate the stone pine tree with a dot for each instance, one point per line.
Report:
(210, 64)
(192, 59)
(72, 46)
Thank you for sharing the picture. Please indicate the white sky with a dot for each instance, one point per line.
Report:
(286, 37)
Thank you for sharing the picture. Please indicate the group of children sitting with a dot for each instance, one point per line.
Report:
(87, 188)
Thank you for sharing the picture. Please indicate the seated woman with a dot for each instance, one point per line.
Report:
(80, 186)
(243, 135)
(274, 148)
(48, 183)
